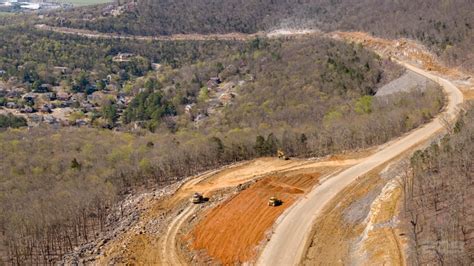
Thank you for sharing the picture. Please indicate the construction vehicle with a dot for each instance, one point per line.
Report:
(281, 155)
(274, 201)
(197, 198)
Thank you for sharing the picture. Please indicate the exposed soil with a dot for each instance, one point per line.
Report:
(231, 232)
(469, 94)
(381, 243)
(157, 219)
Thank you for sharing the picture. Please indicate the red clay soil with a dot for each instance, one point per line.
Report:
(231, 232)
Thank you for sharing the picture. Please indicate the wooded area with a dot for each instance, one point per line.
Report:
(58, 185)
(445, 26)
(205, 105)
(310, 98)
(439, 198)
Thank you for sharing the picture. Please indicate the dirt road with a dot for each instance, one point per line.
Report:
(292, 230)
(175, 37)
(169, 241)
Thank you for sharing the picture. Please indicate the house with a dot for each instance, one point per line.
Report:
(27, 110)
(11, 105)
(50, 119)
(62, 96)
(155, 66)
(13, 94)
(60, 70)
(123, 57)
(78, 97)
(188, 108)
(213, 82)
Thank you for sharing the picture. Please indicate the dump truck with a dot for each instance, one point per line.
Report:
(281, 155)
(274, 201)
(197, 198)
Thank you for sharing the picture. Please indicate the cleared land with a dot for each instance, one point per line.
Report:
(161, 243)
(409, 81)
(231, 232)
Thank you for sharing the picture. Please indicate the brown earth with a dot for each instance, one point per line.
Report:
(469, 94)
(381, 243)
(231, 232)
(143, 243)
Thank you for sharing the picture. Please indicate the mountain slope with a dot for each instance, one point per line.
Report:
(447, 25)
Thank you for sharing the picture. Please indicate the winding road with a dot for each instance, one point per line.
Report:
(292, 230)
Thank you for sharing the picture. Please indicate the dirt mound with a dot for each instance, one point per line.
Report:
(231, 232)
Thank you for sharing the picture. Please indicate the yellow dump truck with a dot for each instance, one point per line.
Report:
(197, 198)
(274, 201)
(281, 155)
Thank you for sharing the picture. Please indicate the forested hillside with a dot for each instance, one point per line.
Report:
(439, 196)
(446, 26)
(309, 97)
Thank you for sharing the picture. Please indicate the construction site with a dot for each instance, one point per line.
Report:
(231, 215)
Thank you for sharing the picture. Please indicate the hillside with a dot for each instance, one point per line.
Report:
(105, 137)
(446, 26)
(438, 211)
(308, 96)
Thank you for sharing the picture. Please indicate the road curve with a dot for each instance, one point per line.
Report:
(169, 253)
(292, 230)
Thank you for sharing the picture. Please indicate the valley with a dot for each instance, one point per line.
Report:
(256, 133)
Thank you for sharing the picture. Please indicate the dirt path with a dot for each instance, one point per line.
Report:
(170, 256)
(292, 230)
